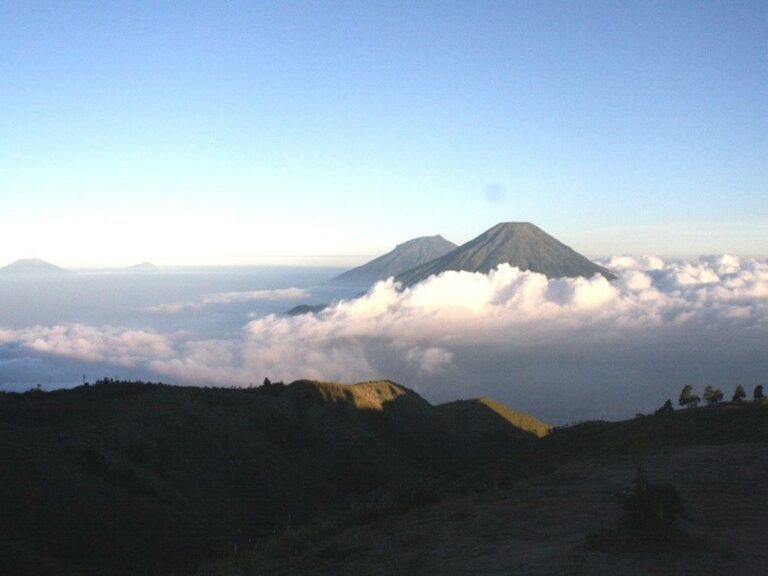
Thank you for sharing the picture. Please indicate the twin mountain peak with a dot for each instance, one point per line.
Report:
(519, 244)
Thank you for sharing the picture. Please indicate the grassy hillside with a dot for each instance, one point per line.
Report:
(127, 478)
(493, 419)
(533, 512)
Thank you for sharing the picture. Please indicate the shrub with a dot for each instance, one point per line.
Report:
(650, 513)
(650, 507)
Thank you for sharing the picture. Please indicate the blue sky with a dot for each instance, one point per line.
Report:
(215, 132)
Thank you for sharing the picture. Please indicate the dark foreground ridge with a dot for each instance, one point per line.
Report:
(520, 244)
(135, 478)
(321, 478)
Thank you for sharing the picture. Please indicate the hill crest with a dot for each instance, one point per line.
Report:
(371, 395)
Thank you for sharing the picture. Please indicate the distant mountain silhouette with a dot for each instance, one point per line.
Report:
(306, 309)
(31, 266)
(404, 257)
(519, 244)
(145, 266)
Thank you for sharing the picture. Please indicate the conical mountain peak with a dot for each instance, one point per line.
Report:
(520, 244)
(403, 257)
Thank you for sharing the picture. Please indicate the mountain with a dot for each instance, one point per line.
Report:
(404, 257)
(519, 244)
(306, 309)
(145, 266)
(31, 266)
(126, 478)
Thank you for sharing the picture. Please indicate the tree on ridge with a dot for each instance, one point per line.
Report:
(688, 398)
(712, 395)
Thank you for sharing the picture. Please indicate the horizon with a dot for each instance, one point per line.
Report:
(334, 260)
(604, 348)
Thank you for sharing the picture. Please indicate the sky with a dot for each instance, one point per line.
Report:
(327, 132)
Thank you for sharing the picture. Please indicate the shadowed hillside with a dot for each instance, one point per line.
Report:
(534, 512)
(129, 478)
(494, 422)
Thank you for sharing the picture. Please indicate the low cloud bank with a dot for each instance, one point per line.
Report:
(224, 298)
(562, 349)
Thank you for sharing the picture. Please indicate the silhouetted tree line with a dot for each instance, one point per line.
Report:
(712, 396)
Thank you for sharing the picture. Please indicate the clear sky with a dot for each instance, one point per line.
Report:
(223, 131)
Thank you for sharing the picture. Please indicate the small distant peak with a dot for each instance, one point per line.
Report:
(145, 266)
(31, 266)
(306, 309)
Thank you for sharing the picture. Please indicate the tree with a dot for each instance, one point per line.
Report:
(665, 408)
(712, 395)
(739, 394)
(758, 393)
(688, 398)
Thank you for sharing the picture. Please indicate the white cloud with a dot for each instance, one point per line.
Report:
(119, 346)
(562, 349)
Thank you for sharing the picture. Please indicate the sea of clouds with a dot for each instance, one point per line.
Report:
(561, 349)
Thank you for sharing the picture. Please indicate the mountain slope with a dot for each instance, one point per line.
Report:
(168, 476)
(541, 525)
(520, 244)
(492, 419)
(404, 257)
(31, 266)
(534, 513)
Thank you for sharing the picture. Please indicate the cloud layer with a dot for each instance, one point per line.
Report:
(224, 298)
(563, 349)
